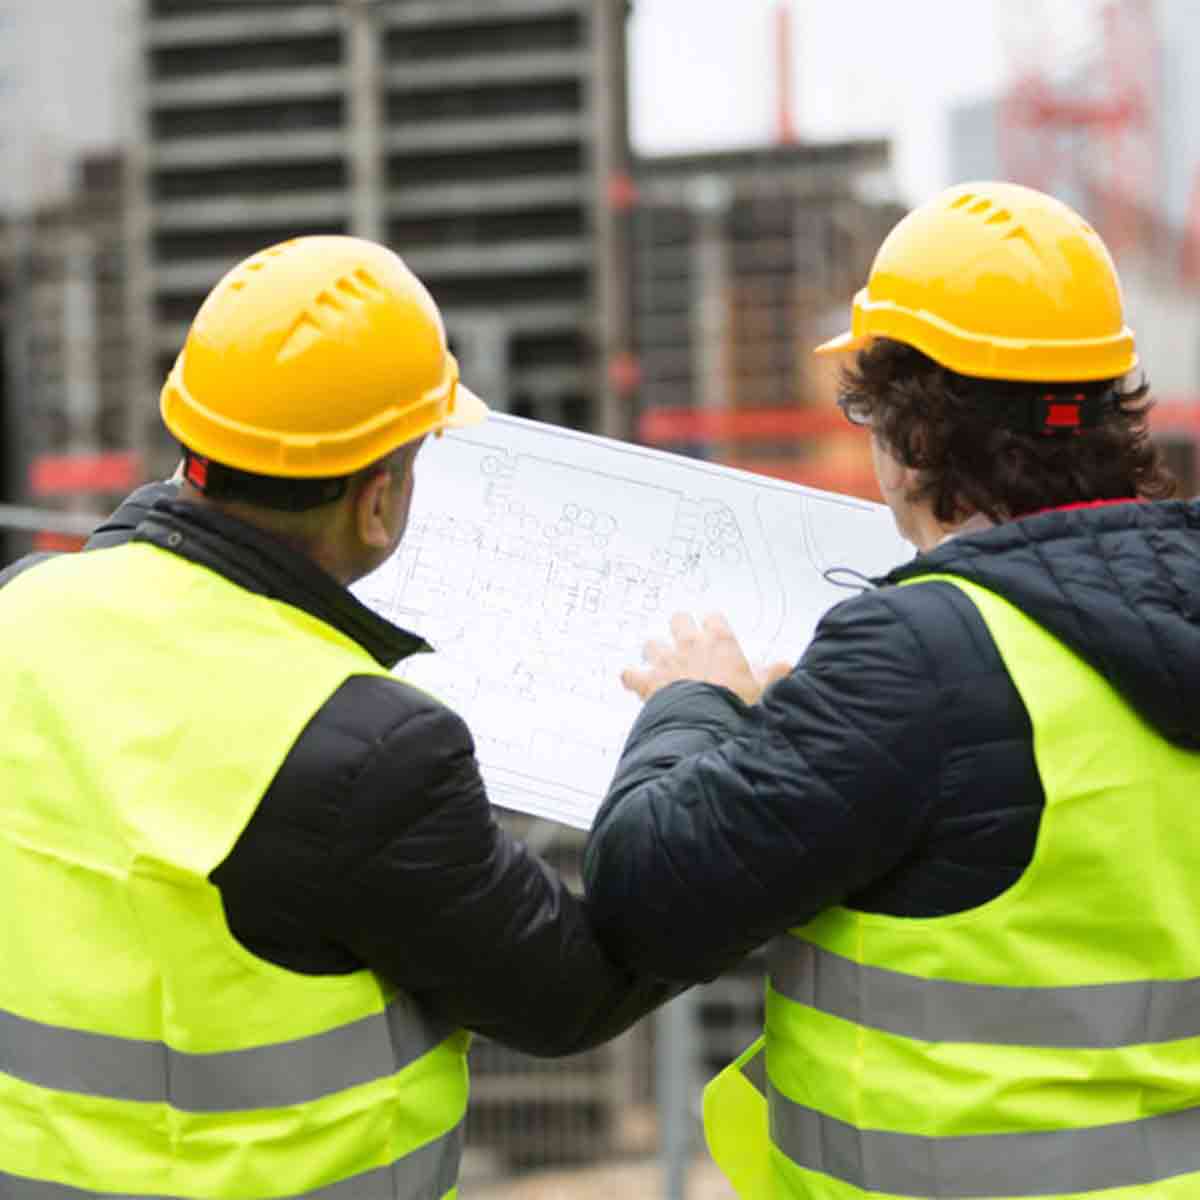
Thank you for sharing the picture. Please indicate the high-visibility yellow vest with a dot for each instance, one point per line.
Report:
(146, 705)
(1046, 1043)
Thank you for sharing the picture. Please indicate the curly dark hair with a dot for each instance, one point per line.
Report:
(948, 428)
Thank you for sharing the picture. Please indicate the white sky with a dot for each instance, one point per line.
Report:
(703, 71)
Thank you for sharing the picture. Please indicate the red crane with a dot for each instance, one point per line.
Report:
(1088, 126)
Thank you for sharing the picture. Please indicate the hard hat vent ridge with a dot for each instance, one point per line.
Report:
(326, 302)
(368, 281)
(306, 331)
(982, 206)
(242, 275)
(347, 286)
(1020, 234)
(329, 308)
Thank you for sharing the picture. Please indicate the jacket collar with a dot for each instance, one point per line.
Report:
(257, 562)
(1119, 584)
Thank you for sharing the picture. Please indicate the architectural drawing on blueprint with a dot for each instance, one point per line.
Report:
(538, 561)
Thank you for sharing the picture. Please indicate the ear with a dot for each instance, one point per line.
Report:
(374, 511)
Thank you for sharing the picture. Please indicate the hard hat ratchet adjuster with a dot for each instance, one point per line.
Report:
(1052, 413)
(220, 482)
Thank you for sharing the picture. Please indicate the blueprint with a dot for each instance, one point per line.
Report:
(538, 561)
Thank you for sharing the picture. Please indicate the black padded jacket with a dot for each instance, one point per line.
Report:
(375, 844)
(893, 770)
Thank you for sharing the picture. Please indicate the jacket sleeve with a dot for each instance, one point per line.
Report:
(726, 825)
(433, 894)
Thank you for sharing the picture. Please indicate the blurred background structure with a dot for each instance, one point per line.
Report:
(665, 287)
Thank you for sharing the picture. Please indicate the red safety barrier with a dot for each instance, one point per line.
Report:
(71, 474)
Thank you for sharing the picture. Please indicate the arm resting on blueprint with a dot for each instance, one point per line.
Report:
(472, 923)
(727, 824)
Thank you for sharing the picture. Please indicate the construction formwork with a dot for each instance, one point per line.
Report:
(476, 137)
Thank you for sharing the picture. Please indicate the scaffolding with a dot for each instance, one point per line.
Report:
(476, 137)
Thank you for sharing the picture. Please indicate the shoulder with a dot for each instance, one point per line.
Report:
(930, 627)
(379, 758)
(9, 573)
(379, 718)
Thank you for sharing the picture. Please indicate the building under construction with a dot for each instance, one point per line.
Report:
(743, 261)
(68, 347)
(473, 136)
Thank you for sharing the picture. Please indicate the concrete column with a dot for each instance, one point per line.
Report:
(711, 197)
(612, 288)
(365, 105)
(142, 428)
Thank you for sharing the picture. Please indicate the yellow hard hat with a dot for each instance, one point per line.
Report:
(997, 281)
(315, 358)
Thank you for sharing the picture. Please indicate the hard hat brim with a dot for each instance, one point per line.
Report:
(469, 409)
(842, 344)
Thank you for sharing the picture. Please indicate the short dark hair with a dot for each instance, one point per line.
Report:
(950, 429)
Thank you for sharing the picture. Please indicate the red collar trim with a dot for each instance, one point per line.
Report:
(1083, 504)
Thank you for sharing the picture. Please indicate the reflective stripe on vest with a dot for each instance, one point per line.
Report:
(272, 1076)
(426, 1174)
(982, 1167)
(1095, 1015)
(143, 1049)
(1046, 1043)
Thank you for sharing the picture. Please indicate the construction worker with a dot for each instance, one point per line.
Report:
(964, 822)
(253, 892)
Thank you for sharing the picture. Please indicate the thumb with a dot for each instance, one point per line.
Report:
(772, 672)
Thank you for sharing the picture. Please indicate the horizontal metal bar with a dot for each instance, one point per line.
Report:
(480, 71)
(419, 13)
(549, 129)
(241, 149)
(289, 22)
(248, 87)
(45, 520)
(523, 258)
(489, 195)
(531, 257)
(518, 319)
(296, 209)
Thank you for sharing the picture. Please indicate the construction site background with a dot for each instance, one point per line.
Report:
(672, 300)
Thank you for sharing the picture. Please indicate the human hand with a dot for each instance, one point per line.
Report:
(708, 654)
